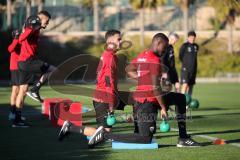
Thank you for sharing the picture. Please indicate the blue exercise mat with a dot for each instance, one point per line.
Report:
(121, 145)
(85, 109)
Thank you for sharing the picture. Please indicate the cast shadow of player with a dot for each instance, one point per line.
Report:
(41, 139)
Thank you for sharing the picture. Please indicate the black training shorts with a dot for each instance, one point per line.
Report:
(188, 77)
(146, 116)
(101, 110)
(15, 77)
(29, 68)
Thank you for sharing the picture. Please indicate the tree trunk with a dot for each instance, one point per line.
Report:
(142, 27)
(40, 5)
(96, 21)
(28, 8)
(154, 15)
(117, 24)
(185, 18)
(9, 14)
(230, 38)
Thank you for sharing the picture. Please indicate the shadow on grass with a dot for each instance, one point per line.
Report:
(233, 141)
(212, 109)
(165, 136)
(206, 133)
(202, 133)
(40, 140)
(212, 115)
(217, 132)
(218, 109)
(227, 142)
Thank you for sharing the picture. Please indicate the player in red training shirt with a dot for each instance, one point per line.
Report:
(105, 97)
(28, 63)
(14, 49)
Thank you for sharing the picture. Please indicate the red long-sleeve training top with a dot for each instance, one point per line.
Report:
(29, 42)
(14, 49)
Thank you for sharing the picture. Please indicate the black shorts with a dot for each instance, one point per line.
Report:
(188, 77)
(146, 116)
(29, 68)
(124, 98)
(170, 98)
(15, 77)
(101, 110)
(176, 99)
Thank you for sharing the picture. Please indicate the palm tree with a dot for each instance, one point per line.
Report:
(142, 24)
(184, 5)
(95, 5)
(226, 11)
(28, 8)
(9, 14)
(231, 20)
(96, 21)
(117, 5)
(184, 8)
(40, 5)
(141, 5)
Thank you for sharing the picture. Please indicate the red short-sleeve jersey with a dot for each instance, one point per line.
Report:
(148, 65)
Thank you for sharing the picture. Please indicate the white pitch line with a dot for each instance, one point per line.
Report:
(209, 138)
(235, 144)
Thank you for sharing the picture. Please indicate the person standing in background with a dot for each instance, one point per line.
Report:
(188, 57)
(170, 74)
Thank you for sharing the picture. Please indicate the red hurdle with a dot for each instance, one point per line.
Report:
(65, 110)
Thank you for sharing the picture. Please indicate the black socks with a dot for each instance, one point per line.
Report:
(18, 115)
(181, 118)
(13, 109)
(77, 129)
(37, 86)
(182, 129)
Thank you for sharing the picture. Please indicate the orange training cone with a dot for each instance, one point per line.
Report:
(219, 142)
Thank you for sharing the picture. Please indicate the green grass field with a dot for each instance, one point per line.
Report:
(218, 116)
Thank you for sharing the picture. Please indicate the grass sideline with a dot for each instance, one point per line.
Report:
(218, 116)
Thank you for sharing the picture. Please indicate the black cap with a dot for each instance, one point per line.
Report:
(192, 33)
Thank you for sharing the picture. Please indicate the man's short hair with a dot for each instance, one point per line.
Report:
(111, 33)
(192, 33)
(160, 37)
(173, 34)
(45, 13)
